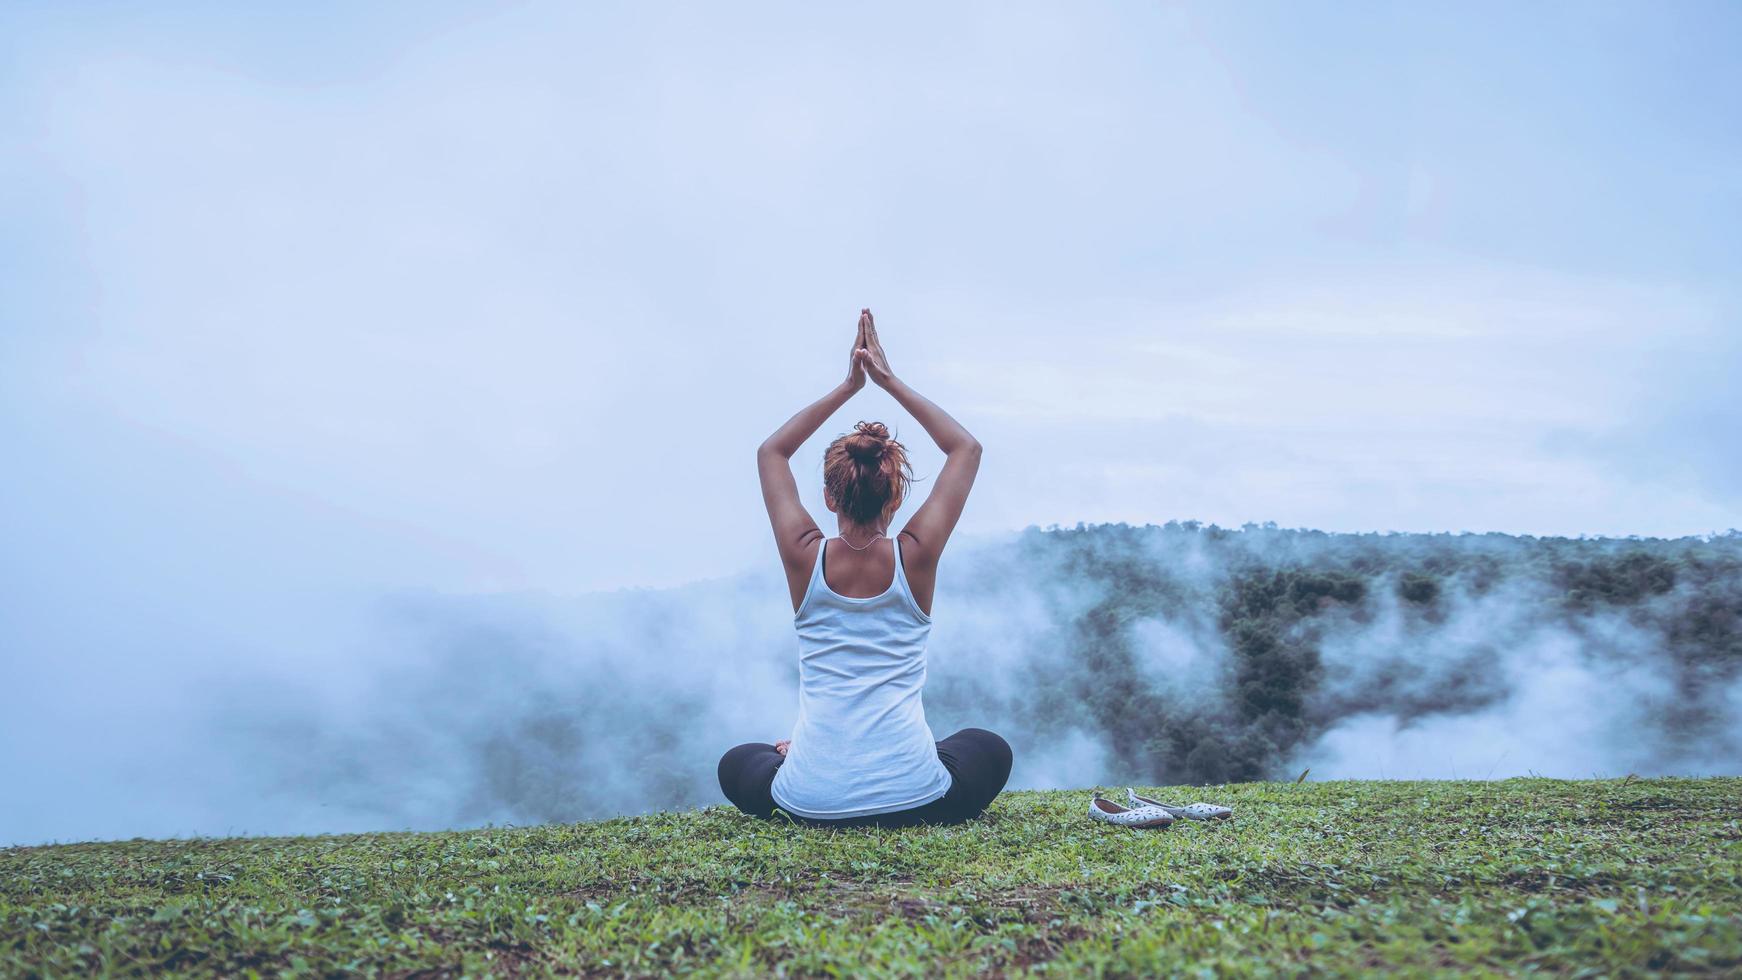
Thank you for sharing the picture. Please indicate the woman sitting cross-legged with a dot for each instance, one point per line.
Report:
(861, 752)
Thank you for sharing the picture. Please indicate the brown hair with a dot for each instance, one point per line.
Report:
(866, 474)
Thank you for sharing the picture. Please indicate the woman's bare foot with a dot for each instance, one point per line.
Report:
(781, 745)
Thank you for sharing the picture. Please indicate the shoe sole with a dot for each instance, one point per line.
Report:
(1151, 825)
(1187, 816)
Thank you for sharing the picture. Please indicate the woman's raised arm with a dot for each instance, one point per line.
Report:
(793, 525)
(931, 525)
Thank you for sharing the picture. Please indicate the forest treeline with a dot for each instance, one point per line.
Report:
(1271, 597)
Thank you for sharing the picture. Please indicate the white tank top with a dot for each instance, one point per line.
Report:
(861, 745)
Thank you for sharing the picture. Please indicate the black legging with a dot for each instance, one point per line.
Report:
(978, 761)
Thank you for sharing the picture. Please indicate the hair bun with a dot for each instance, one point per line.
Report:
(869, 443)
(866, 474)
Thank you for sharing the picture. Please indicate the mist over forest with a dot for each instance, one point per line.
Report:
(1106, 654)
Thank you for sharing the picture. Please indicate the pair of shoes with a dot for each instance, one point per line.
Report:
(1139, 816)
(1191, 811)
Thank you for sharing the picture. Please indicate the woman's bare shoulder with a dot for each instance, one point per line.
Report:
(914, 552)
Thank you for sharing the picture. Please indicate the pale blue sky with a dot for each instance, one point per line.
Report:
(504, 299)
(304, 304)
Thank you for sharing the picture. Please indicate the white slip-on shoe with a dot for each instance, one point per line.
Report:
(1140, 817)
(1191, 811)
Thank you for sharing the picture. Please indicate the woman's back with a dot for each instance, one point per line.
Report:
(861, 751)
(861, 745)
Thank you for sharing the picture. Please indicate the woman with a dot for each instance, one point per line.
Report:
(861, 752)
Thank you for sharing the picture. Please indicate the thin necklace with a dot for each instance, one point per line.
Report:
(862, 547)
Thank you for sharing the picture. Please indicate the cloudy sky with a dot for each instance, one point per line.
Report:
(504, 300)
(298, 304)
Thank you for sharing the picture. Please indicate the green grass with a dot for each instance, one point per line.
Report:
(1610, 877)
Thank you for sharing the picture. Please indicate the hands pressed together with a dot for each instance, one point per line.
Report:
(867, 357)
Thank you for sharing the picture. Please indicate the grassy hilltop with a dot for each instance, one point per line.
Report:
(1617, 877)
